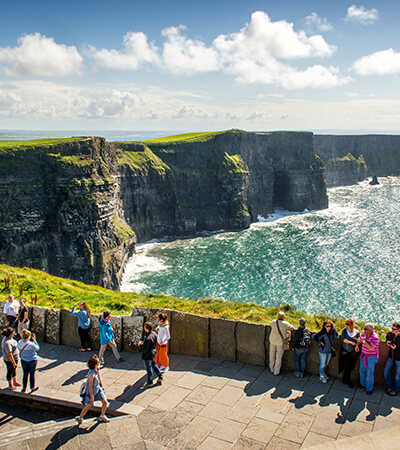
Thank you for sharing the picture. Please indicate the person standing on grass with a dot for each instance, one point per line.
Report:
(148, 349)
(278, 340)
(107, 337)
(325, 337)
(301, 342)
(369, 345)
(9, 348)
(83, 325)
(10, 311)
(94, 391)
(348, 355)
(163, 336)
(393, 343)
(28, 348)
(23, 321)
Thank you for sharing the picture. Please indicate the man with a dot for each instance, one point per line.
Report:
(393, 343)
(280, 331)
(10, 311)
(148, 349)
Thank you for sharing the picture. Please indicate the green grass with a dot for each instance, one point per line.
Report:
(142, 160)
(348, 157)
(37, 142)
(55, 292)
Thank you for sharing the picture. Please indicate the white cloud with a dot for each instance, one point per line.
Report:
(38, 55)
(313, 21)
(362, 15)
(379, 63)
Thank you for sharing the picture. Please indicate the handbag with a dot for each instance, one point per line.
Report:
(286, 341)
(83, 389)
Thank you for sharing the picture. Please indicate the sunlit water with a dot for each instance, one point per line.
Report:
(343, 261)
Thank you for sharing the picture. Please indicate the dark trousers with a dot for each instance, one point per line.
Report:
(11, 371)
(28, 369)
(12, 321)
(150, 366)
(349, 362)
(84, 335)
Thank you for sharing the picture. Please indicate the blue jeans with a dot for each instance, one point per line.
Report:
(28, 369)
(150, 366)
(300, 359)
(324, 359)
(388, 375)
(367, 373)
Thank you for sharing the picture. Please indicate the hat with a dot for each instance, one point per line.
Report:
(369, 326)
(302, 321)
(281, 315)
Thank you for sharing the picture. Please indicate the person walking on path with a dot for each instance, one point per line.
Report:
(28, 348)
(163, 336)
(325, 337)
(148, 349)
(393, 343)
(107, 338)
(369, 342)
(93, 391)
(348, 355)
(23, 321)
(301, 342)
(83, 325)
(10, 311)
(278, 342)
(9, 347)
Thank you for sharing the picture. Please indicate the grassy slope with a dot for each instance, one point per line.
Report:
(36, 142)
(66, 292)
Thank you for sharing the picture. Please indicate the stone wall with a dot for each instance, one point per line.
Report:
(190, 335)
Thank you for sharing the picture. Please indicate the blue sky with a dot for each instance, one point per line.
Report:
(256, 65)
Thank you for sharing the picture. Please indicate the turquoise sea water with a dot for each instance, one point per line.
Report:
(343, 261)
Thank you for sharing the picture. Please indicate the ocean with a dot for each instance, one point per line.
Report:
(343, 261)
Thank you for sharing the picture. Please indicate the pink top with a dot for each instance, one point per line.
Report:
(373, 340)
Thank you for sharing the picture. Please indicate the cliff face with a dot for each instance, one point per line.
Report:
(75, 208)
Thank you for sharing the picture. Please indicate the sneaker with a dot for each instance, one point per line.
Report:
(159, 381)
(103, 419)
(296, 374)
(121, 360)
(392, 393)
(387, 390)
(147, 384)
(35, 389)
(78, 419)
(323, 378)
(302, 375)
(23, 390)
(369, 392)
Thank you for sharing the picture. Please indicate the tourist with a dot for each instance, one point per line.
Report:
(393, 343)
(107, 337)
(278, 342)
(10, 311)
(28, 348)
(369, 342)
(163, 336)
(93, 391)
(9, 348)
(348, 355)
(83, 325)
(325, 337)
(148, 349)
(23, 321)
(301, 342)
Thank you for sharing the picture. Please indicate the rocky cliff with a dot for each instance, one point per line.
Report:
(76, 208)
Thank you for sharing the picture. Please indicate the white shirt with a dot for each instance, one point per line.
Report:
(163, 335)
(275, 337)
(11, 308)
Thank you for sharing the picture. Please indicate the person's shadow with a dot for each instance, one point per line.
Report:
(76, 377)
(68, 433)
(131, 391)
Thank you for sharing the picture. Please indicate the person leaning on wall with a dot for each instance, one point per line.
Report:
(368, 344)
(393, 343)
(83, 325)
(348, 355)
(279, 339)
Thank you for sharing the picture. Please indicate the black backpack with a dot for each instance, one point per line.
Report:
(305, 340)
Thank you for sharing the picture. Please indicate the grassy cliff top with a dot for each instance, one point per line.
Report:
(10, 144)
(55, 292)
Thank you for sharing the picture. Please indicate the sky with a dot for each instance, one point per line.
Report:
(312, 65)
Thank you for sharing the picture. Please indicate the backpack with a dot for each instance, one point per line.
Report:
(305, 340)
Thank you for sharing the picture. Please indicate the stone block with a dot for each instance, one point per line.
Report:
(94, 332)
(132, 332)
(52, 328)
(250, 343)
(116, 322)
(189, 334)
(2, 321)
(223, 339)
(38, 322)
(69, 329)
(150, 314)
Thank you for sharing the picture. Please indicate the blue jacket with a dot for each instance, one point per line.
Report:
(83, 318)
(106, 334)
(326, 339)
(28, 350)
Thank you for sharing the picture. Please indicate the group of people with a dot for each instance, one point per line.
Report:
(354, 345)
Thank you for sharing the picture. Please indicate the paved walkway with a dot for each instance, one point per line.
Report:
(207, 404)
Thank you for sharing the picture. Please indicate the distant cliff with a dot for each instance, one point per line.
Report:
(76, 208)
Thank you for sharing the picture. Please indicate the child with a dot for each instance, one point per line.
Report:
(107, 337)
(148, 349)
(163, 337)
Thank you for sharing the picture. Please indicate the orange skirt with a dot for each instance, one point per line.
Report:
(161, 358)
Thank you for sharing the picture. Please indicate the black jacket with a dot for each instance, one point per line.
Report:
(148, 348)
(298, 334)
(394, 354)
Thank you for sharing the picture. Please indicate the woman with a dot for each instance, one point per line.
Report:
(10, 311)
(301, 343)
(23, 321)
(325, 337)
(107, 337)
(83, 325)
(94, 391)
(9, 348)
(28, 348)
(369, 342)
(163, 337)
(348, 354)
(393, 344)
